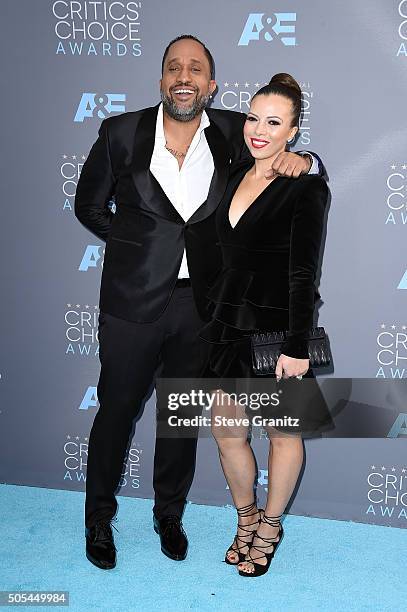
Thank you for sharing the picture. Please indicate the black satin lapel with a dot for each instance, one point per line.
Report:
(147, 185)
(221, 159)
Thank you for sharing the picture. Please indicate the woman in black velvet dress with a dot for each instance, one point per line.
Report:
(269, 231)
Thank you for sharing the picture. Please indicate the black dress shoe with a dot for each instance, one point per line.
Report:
(100, 548)
(173, 538)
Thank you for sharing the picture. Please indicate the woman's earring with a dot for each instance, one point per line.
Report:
(291, 140)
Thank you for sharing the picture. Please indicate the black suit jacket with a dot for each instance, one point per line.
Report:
(145, 238)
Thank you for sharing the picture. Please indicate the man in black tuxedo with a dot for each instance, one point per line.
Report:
(167, 167)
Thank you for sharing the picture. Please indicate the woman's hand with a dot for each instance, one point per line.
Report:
(290, 366)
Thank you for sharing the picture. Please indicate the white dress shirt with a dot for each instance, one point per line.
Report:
(186, 187)
(314, 166)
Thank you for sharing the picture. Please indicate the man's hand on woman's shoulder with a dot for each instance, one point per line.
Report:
(290, 165)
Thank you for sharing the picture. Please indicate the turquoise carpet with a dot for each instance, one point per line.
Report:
(321, 565)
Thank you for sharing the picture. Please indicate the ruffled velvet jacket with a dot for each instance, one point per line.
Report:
(270, 259)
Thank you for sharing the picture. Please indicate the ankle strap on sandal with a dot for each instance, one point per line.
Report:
(273, 521)
(244, 535)
(247, 510)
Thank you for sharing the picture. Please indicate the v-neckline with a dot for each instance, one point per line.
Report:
(233, 227)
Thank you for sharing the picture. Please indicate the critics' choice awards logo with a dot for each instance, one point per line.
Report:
(392, 351)
(402, 29)
(387, 492)
(91, 28)
(262, 27)
(92, 257)
(81, 330)
(70, 170)
(76, 457)
(99, 105)
(396, 195)
(237, 96)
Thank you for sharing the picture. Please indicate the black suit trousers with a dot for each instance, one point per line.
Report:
(131, 355)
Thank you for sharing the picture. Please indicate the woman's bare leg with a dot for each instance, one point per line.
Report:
(238, 464)
(285, 460)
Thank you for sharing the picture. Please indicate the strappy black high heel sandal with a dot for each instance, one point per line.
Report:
(260, 569)
(245, 511)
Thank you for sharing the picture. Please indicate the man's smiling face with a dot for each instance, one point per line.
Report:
(186, 83)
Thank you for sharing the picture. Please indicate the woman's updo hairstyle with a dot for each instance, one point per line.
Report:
(284, 84)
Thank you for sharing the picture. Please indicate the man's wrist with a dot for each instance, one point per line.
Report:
(316, 166)
(309, 159)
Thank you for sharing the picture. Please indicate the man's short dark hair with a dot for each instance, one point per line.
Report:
(190, 37)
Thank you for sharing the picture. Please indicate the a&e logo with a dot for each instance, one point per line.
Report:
(90, 399)
(403, 282)
(256, 24)
(399, 427)
(99, 105)
(263, 479)
(90, 257)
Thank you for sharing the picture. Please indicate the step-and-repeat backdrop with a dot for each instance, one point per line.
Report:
(67, 64)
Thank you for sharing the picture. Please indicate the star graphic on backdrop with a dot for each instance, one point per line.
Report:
(257, 85)
(85, 439)
(383, 326)
(393, 469)
(393, 167)
(64, 156)
(393, 327)
(87, 306)
(96, 307)
(246, 84)
(78, 305)
(403, 470)
(68, 305)
(404, 167)
(372, 467)
(226, 84)
(236, 84)
(77, 438)
(68, 437)
(73, 156)
(403, 327)
(83, 157)
(383, 468)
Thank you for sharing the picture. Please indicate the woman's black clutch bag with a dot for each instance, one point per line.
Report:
(266, 349)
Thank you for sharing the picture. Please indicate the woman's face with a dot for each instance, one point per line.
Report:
(268, 125)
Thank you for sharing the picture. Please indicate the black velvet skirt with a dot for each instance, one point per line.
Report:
(301, 408)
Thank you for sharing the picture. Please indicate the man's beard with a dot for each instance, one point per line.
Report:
(184, 114)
